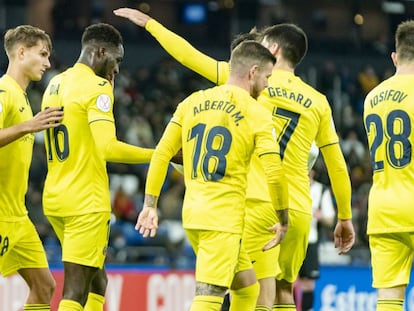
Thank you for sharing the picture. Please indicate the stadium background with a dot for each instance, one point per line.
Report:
(350, 42)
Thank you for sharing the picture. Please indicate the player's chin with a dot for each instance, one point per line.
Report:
(37, 77)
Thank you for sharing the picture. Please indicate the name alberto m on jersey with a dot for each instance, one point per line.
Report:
(222, 105)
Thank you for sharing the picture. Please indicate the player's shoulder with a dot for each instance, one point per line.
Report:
(97, 83)
(85, 78)
(7, 84)
(8, 88)
(390, 83)
(312, 92)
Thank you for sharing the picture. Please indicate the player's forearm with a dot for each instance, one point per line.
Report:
(156, 176)
(278, 188)
(283, 216)
(12, 133)
(117, 151)
(184, 52)
(114, 150)
(340, 181)
(150, 200)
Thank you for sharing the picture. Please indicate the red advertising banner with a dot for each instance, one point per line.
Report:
(128, 290)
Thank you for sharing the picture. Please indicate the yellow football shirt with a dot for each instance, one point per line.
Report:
(389, 119)
(300, 112)
(78, 149)
(301, 115)
(15, 158)
(218, 130)
(77, 181)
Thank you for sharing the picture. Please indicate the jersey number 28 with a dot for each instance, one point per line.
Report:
(395, 134)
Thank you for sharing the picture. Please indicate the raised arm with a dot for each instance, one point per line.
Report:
(213, 70)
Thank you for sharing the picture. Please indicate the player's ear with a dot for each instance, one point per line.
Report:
(394, 57)
(101, 51)
(20, 50)
(274, 48)
(252, 71)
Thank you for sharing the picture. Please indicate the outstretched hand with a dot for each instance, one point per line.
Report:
(344, 236)
(135, 16)
(147, 222)
(279, 232)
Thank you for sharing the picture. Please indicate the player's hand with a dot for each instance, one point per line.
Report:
(147, 222)
(279, 232)
(344, 236)
(135, 16)
(50, 117)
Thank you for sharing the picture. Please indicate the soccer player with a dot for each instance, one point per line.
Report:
(323, 212)
(21, 251)
(302, 115)
(218, 130)
(76, 193)
(389, 119)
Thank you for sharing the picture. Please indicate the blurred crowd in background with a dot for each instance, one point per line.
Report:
(148, 90)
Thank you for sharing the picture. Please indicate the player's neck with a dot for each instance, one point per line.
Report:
(238, 82)
(283, 65)
(18, 75)
(405, 69)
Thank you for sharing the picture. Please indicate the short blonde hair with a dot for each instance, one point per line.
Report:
(27, 35)
(247, 54)
(404, 41)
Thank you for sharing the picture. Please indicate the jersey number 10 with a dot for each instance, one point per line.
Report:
(58, 139)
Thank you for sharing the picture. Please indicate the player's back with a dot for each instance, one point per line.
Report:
(389, 119)
(301, 115)
(220, 127)
(15, 158)
(76, 182)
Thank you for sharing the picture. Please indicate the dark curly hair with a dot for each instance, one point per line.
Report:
(102, 33)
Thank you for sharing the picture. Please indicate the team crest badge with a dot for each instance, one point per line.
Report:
(103, 102)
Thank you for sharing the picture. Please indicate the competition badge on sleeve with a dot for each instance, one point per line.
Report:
(103, 102)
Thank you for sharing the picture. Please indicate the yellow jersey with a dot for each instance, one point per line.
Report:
(389, 119)
(218, 130)
(15, 158)
(77, 181)
(301, 115)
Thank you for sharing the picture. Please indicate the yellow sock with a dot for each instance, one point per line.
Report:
(390, 304)
(206, 303)
(262, 308)
(95, 302)
(36, 306)
(284, 307)
(69, 305)
(244, 298)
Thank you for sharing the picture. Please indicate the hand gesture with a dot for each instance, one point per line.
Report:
(147, 222)
(135, 16)
(279, 232)
(344, 236)
(45, 119)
